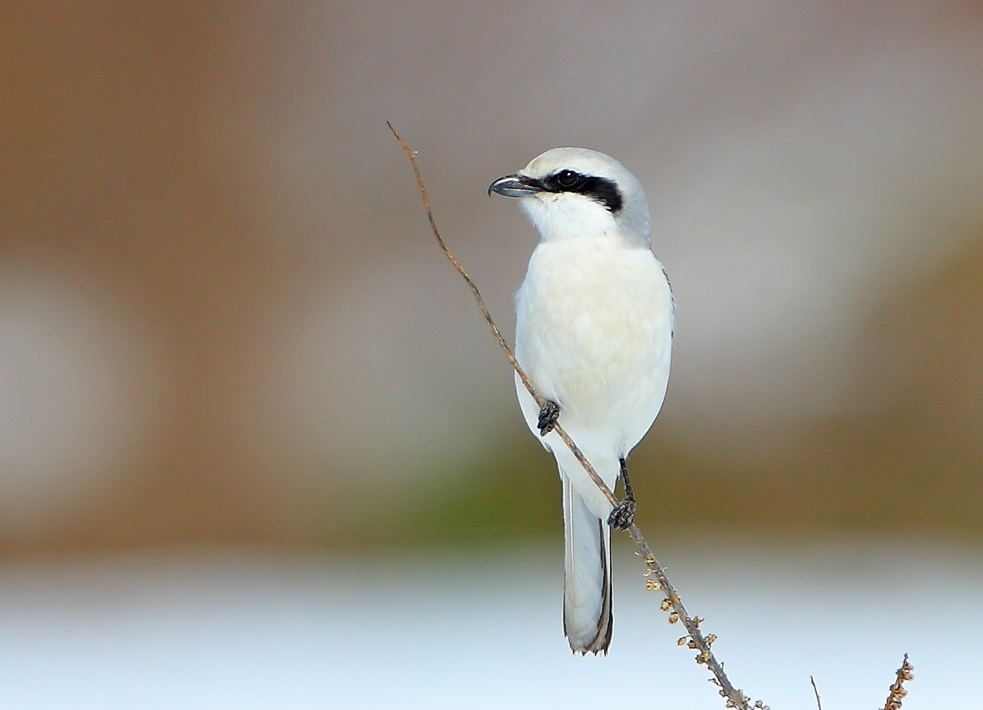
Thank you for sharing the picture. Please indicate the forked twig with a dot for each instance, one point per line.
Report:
(819, 702)
(672, 603)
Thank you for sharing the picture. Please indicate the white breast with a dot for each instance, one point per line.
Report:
(594, 332)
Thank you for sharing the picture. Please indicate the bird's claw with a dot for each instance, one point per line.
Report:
(547, 417)
(623, 514)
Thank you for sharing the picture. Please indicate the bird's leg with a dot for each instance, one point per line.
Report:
(623, 514)
(547, 417)
(629, 493)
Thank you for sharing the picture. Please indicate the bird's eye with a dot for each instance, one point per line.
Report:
(567, 178)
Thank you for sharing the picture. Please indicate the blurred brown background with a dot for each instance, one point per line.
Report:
(223, 318)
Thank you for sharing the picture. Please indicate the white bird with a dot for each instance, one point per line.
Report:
(594, 324)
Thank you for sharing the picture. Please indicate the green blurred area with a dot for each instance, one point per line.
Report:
(517, 497)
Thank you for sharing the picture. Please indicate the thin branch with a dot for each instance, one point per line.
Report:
(672, 603)
(819, 702)
(897, 692)
(540, 402)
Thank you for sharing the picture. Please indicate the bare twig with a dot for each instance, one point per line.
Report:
(819, 702)
(672, 603)
(897, 692)
(591, 471)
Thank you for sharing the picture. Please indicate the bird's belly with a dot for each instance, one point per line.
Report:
(594, 332)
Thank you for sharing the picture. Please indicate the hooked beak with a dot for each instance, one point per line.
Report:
(515, 186)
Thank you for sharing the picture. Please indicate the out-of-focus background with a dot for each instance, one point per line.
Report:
(224, 324)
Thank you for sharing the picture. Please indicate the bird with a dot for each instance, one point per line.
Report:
(595, 317)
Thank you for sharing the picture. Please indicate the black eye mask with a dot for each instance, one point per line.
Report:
(601, 190)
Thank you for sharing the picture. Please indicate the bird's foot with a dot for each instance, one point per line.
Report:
(623, 514)
(547, 417)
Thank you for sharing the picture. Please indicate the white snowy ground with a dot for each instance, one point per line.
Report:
(445, 630)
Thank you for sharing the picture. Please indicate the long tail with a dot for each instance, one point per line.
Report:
(587, 617)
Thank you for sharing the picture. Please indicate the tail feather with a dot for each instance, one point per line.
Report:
(587, 617)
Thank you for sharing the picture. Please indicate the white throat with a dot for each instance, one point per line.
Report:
(568, 216)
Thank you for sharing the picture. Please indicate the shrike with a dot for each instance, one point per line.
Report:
(594, 333)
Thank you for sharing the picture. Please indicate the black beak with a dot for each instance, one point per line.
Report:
(515, 186)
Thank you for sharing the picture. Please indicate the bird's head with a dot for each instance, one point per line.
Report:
(575, 192)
